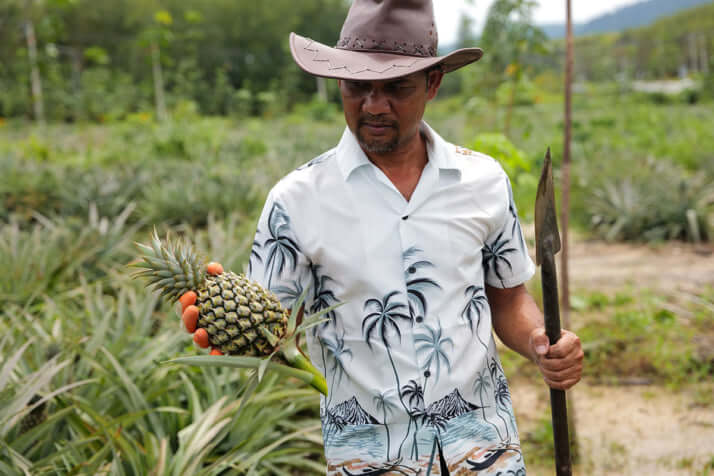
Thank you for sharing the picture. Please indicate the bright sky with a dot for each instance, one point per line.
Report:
(448, 12)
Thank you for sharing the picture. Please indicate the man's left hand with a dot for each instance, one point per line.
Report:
(560, 364)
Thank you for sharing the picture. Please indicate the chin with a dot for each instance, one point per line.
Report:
(378, 146)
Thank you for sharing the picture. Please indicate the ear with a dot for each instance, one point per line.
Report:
(435, 77)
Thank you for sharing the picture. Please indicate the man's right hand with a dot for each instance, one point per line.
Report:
(189, 312)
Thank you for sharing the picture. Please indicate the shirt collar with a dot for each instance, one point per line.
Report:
(350, 155)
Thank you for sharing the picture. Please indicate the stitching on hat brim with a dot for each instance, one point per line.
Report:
(316, 54)
(359, 70)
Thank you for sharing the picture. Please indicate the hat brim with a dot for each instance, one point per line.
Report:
(321, 60)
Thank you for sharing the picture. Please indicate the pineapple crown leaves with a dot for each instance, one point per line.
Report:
(172, 268)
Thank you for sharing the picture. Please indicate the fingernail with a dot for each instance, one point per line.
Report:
(541, 349)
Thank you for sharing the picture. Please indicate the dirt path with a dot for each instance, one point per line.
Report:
(602, 266)
(641, 430)
(635, 430)
(605, 266)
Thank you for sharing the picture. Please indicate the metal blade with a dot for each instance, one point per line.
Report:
(546, 221)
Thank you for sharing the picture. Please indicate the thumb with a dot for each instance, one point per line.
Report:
(539, 342)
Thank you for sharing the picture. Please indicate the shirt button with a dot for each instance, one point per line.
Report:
(427, 374)
(419, 319)
(405, 217)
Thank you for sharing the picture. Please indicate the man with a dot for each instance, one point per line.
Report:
(420, 241)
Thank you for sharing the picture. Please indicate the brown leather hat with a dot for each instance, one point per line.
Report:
(380, 39)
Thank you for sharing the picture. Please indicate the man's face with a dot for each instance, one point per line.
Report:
(385, 115)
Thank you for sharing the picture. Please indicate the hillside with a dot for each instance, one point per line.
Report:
(632, 16)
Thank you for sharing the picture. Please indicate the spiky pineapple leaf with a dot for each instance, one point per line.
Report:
(242, 363)
(295, 311)
(171, 267)
(314, 319)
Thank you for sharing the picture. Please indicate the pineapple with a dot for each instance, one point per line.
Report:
(240, 317)
(234, 311)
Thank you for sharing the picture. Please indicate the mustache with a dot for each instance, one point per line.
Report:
(377, 120)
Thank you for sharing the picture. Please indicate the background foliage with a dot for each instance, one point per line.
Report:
(82, 388)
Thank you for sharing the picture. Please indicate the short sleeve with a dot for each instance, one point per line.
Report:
(506, 262)
(276, 260)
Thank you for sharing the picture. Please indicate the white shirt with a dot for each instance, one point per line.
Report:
(409, 358)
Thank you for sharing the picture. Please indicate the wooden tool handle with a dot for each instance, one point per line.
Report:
(558, 407)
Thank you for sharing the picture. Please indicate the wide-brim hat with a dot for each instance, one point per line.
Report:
(381, 39)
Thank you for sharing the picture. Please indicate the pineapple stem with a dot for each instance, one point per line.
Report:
(299, 361)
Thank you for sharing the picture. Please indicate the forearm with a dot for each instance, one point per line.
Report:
(515, 315)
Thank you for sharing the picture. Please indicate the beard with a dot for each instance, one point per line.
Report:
(379, 144)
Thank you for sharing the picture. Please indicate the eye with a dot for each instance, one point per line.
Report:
(399, 89)
(356, 87)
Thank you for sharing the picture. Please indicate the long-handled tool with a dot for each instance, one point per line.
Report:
(547, 245)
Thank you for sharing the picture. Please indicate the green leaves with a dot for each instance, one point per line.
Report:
(241, 363)
(107, 404)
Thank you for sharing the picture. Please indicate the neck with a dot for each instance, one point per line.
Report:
(408, 157)
(403, 166)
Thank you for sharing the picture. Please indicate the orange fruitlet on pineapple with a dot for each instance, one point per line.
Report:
(186, 299)
(216, 352)
(200, 337)
(214, 268)
(190, 318)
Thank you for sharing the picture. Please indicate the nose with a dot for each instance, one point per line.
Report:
(376, 102)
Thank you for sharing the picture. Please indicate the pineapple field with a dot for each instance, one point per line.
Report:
(85, 387)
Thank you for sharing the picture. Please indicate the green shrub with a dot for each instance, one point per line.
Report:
(520, 168)
(317, 110)
(525, 93)
(656, 202)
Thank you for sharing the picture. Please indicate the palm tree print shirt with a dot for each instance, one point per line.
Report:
(409, 357)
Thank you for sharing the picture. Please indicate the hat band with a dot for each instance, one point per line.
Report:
(383, 46)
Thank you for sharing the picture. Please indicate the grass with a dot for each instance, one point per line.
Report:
(631, 335)
(88, 342)
(222, 166)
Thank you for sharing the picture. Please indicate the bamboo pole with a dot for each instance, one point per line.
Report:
(565, 212)
(565, 170)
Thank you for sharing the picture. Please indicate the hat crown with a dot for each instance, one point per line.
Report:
(391, 26)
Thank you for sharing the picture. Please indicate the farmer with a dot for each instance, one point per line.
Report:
(420, 241)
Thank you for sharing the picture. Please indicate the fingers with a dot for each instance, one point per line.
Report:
(562, 365)
(186, 299)
(539, 343)
(189, 312)
(200, 337)
(562, 379)
(567, 342)
(190, 318)
(214, 268)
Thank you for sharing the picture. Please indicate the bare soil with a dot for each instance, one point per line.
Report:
(634, 429)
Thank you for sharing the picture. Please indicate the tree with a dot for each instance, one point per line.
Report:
(510, 37)
(384, 402)
(481, 386)
(477, 301)
(35, 70)
(385, 315)
(158, 35)
(417, 286)
(337, 349)
(432, 344)
(495, 255)
(282, 249)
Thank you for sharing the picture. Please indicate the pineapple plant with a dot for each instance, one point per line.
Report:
(236, 316)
